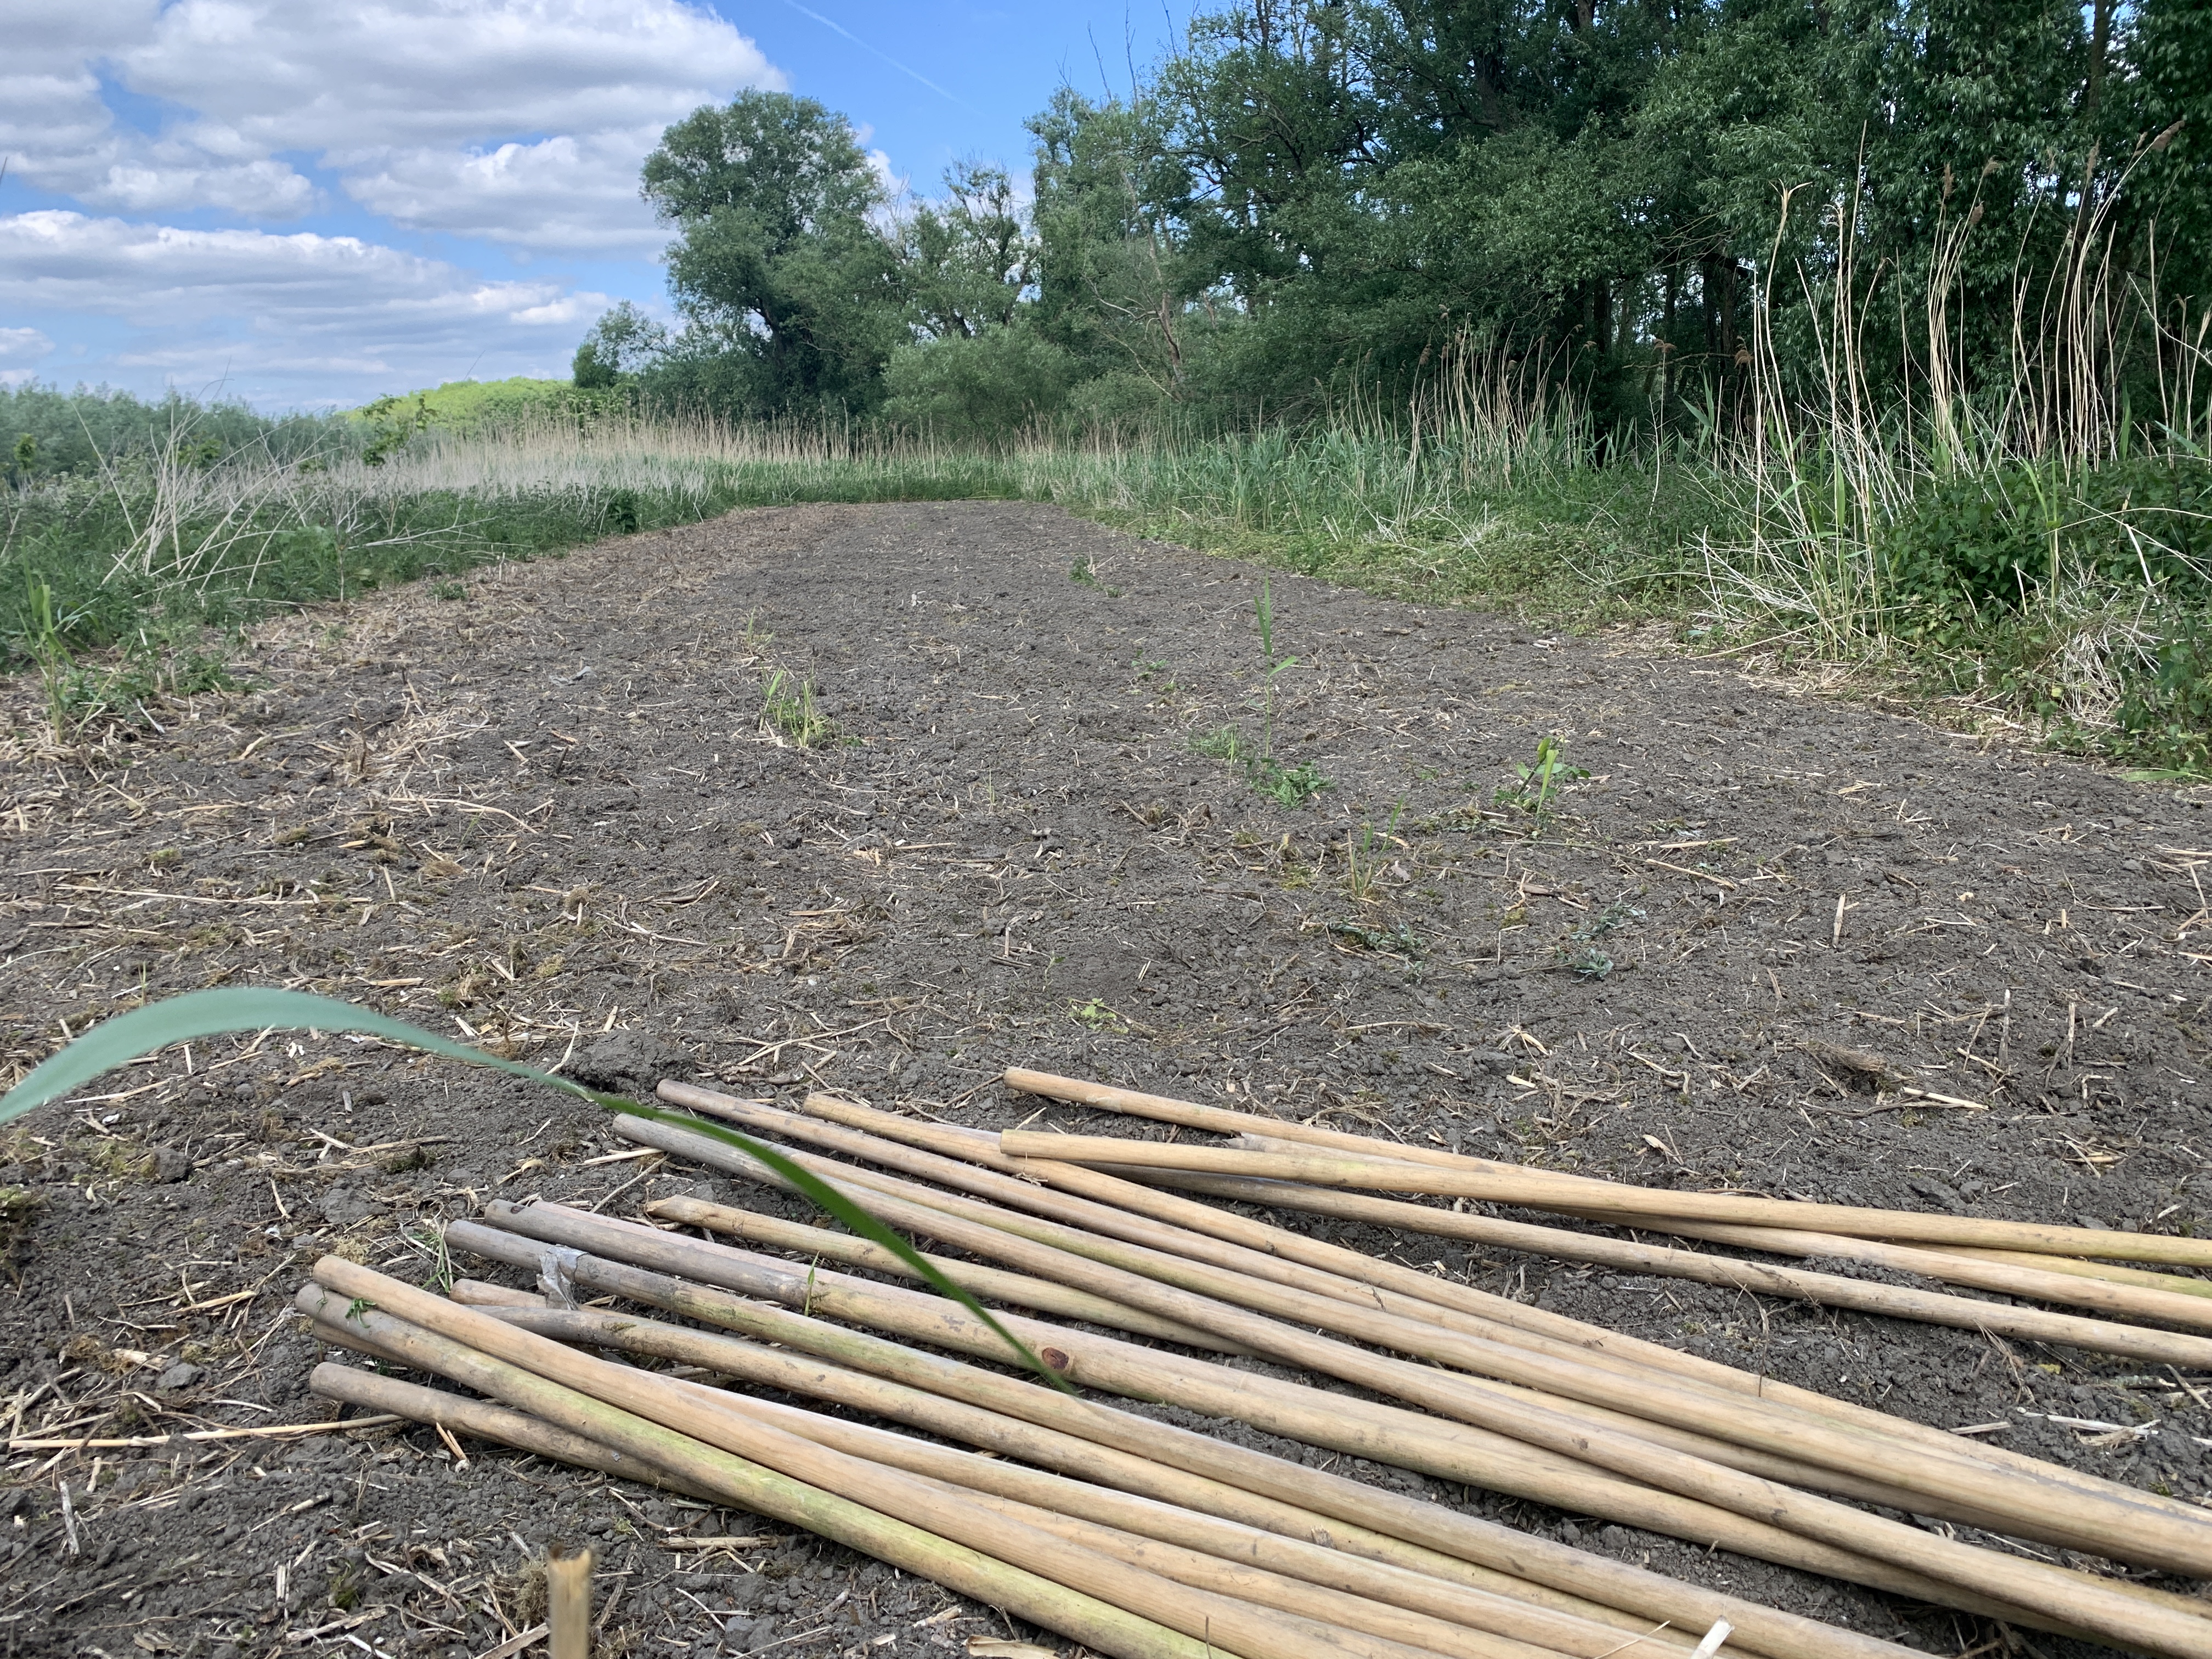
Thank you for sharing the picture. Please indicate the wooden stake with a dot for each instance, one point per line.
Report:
(569, 1602)
(1612, 1198)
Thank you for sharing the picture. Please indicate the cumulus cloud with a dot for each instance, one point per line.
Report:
(298, 312)
(23, 345)
(570, 192)
(520, 119)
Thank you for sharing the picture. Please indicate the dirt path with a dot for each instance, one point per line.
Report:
(548, 815)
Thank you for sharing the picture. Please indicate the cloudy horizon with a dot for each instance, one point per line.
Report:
(308, 205)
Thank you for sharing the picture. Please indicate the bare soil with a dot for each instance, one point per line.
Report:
(552, 816)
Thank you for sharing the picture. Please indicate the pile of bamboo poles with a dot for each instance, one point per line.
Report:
(1134, 1537)
(1305, 1167)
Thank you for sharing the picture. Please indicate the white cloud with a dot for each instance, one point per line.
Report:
(567, 192)
(521, 119)
(352, 79)
(23, 345)
(333, 316)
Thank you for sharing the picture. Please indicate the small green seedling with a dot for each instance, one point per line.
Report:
(1289, 786)
(1579, 952)
(1271, 665)
(1398, 941)
(1221, 743)
(1095, 1016)
(1084, 573)
(448, 591)
(1363, 862)
(1535, 788)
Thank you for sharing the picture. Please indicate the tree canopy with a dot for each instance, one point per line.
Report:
(1312, 196)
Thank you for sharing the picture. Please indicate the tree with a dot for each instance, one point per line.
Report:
(779, 264)
(622, 344)
(968, 260)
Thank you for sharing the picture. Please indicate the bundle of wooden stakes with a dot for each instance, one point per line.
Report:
(1134, 1537)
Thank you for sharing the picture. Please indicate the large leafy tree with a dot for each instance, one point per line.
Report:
(781, 267)
(968, 258)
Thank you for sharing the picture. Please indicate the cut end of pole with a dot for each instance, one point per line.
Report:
(569, 1602)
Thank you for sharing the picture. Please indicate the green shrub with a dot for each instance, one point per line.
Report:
(988, 386)
(2165, 715)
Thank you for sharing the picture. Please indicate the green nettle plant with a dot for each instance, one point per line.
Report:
(200, 1014)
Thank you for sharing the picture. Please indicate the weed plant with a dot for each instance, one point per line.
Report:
(1535, 786)
(1580, 952)
(1366, 854)
(790, 713)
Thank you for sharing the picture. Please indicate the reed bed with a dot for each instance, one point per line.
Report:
(1133, 1537)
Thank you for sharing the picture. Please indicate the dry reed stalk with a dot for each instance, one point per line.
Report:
(1435, 1616)
(1365, 1627)
(2007, 1278)
(476, 1293)
(1497, 1317)
(1137, 1494)
(822, 1244)
(568, 1603)
(2113, 1522)
(745, 1485)
(1512, 1184)
(992, 1284)
(1139, 1214)
(1216, 1620)
(1209, 1233)
(1798, 1283)
(1954, 1481)
(1713, 1507)
(2112, 1291)
(461, 1413)
(1385, 1434)
(1391, 1625)
(2179, 1284)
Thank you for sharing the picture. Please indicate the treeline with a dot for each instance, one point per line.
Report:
(47, 433)
(1312, 203)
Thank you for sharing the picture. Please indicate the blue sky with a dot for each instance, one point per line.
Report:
(306, 202)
